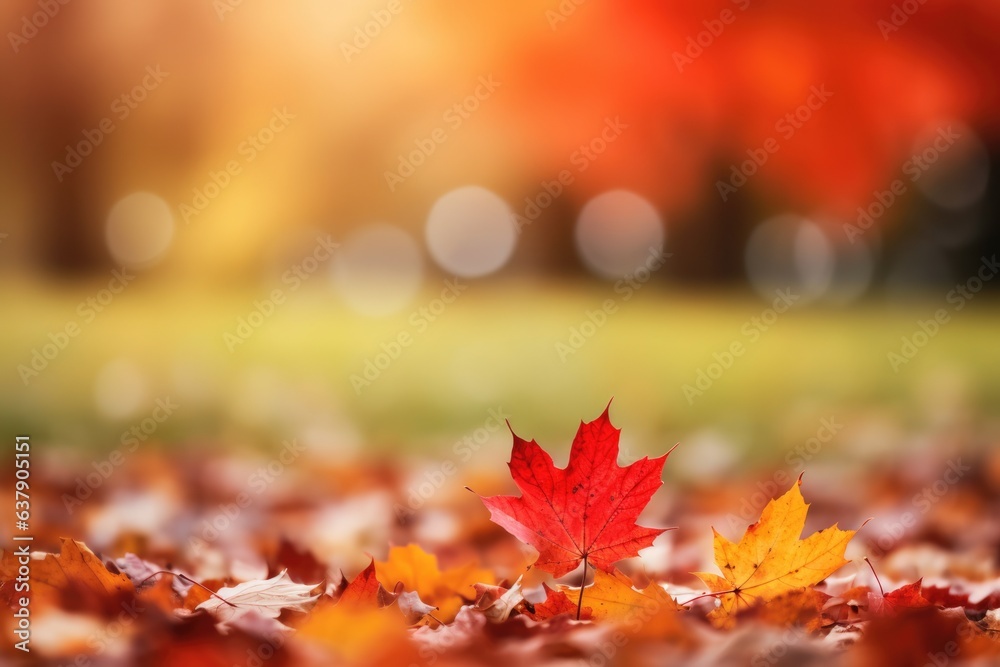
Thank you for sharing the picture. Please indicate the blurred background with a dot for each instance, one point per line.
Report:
(375, 226)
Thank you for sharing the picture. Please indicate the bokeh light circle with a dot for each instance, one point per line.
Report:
(470, 232)
(139, 229)
(616, 232)
(790, 252)
(853, 270)
(950, 165)
(120, 389)
(378, 270)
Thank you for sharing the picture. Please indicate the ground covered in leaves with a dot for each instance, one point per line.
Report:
(196, 558)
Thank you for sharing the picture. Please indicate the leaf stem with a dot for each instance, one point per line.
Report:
(709, 595)
(583, 582)
(877, 581)
(189, 580)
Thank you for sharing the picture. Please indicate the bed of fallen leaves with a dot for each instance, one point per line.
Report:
(188, 560)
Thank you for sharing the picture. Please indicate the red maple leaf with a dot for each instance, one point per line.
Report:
(556, 603)
(364, 591)
(585, 512)
(908, 596)
(904, 597)
(950, 596)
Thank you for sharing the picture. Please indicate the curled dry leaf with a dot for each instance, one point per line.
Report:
(412, 607)
(497, 602)
(267, 597)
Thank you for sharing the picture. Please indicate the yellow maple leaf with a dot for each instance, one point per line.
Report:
(418, 571)
(770, 559)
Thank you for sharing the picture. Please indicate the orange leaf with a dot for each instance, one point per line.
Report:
(801, 606)
(613, 598)
(418, 571)
(74, 569)
(350, 634)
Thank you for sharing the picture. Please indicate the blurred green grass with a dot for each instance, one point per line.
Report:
(494, 347)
